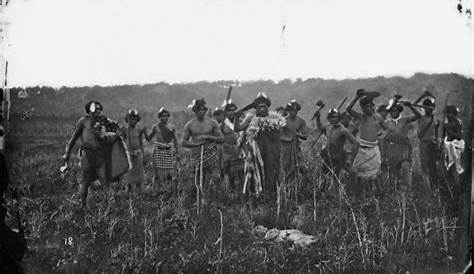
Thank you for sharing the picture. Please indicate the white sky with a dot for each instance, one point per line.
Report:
(106, 42)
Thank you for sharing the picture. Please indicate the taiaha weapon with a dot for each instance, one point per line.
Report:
(342, 103)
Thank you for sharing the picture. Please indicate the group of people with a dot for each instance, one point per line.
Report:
(256, 149)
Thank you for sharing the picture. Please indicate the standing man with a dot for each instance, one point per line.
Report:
(291, 134)
(133, 136)
(93, 154)
(334, 154)
(429, 149)
(163, 157)
(204, 133)
(262, 148)
(232, 156)
(367, 162)
(398, 144)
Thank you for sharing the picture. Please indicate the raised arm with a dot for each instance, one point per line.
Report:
(352, 112)
(77, 133)
(417, 114)
(240, 126)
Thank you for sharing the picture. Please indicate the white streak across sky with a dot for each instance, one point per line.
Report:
(110, 42)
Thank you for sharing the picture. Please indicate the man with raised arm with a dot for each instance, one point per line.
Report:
(428, 127)
(204, 134)
(397, 142)
(291, 135)
(367, 161)
(262, 148)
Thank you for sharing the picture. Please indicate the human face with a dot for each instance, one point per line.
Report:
(164, 118)
(333, 119)
(132, 121)
(201, 112)
(219, 118)
(96, 113)
(262, 110)
(230, 113)
(394, 113)
(292, 113)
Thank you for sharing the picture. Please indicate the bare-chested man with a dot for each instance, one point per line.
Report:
(397, 143)
(291, 134)
(133, 137)
(334, 154)
(367, 161)
(204, 134)
(93, 154)
(163, 155)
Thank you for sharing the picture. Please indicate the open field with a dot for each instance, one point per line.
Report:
(160, 232)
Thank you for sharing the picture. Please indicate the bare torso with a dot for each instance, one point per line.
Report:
(370, 127)
(199, 130)
(293, 126)
(133, 137)
(88, 135)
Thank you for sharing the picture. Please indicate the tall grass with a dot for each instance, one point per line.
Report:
(159, 232)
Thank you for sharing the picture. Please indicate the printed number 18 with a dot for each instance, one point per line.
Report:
(68, 241)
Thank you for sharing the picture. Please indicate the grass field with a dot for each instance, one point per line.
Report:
(161, 232)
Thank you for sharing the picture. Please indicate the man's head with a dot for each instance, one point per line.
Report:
(430, 105)
(94, 108)
(293, 107)
(219, 115)
(395, 111)
(333, 116)
(451, 111)
(132, 117)
(367, 105)
(163, 115)
(199, 108)
(261, 104)
(229, 110)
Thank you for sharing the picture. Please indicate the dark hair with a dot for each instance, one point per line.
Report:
(218, 112)
(397, 107)
(132, 113)
(262, 100)
(199, 104)
(87, 107)
(163, 112)
(293, 106)
(229, 106)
